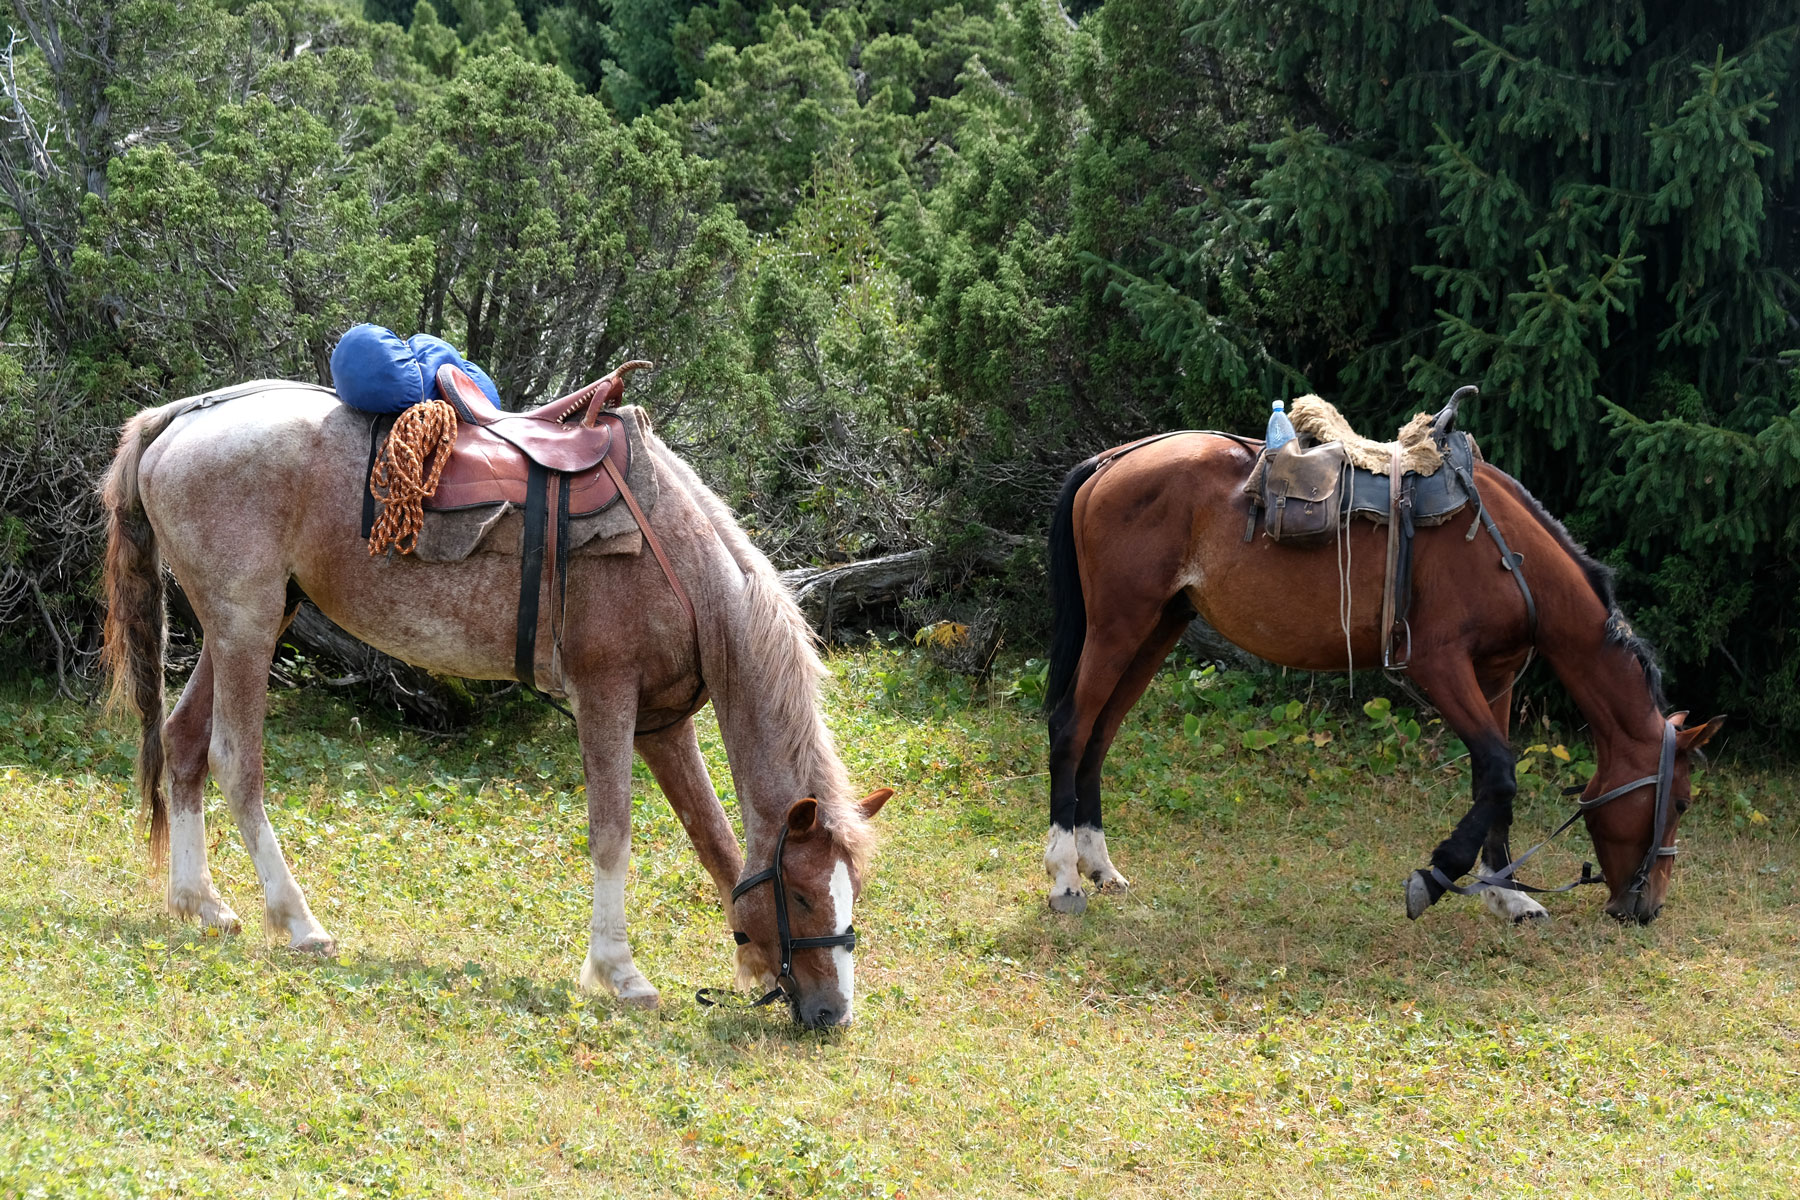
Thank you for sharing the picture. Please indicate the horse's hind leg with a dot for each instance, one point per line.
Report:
(1090, 841)
(673, 756)
(1496, 853)
(1112, 653)
(241, 654)
(186, 735)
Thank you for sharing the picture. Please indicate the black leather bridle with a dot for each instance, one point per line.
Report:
(1664, 782)
(785, 983)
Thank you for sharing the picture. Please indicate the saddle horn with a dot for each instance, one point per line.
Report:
(604, 393)
(1445, 421)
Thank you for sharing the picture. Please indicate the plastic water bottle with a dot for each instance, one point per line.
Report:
(1281, 430)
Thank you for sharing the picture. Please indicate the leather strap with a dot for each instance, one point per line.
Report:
(656, 548)
(559, 570)
(785, 982)
(378, 430)
(1388, 580)
(531, 571)
(1664, 783)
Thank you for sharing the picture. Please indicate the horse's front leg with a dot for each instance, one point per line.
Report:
(1496, 852)
(603, 719)
(1458, 697)
(673, 756)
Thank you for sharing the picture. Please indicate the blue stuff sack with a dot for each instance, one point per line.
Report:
(372, 369)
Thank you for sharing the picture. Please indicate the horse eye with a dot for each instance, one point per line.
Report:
(802, 902)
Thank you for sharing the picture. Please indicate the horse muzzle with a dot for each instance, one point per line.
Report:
(1634, 907)
(828, 1012)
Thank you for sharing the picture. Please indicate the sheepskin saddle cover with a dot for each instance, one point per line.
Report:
(1322, 422)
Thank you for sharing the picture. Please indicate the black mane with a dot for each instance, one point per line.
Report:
(1600, 577)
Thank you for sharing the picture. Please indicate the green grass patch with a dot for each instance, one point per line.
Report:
(1255, 1018)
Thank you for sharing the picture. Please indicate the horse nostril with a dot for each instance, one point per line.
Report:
(822, 1017)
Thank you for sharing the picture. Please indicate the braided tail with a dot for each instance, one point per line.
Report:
(136, 621)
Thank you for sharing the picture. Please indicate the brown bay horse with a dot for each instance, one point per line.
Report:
(248, 499)
(1146, 535)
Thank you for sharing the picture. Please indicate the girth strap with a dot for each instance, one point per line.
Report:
(531, 572)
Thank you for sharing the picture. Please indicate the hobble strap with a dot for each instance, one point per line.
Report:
(1663, 780)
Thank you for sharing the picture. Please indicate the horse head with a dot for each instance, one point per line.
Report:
(792, 920)
(1632, 818)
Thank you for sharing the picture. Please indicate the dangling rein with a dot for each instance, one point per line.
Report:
(407, 472)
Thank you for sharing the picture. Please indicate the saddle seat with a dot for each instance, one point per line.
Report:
(495, 452)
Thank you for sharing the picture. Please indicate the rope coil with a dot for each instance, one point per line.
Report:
(406, 474)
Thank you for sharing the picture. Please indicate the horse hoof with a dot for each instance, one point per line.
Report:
(1071, 902)
(1110, 885)
(321, 944)
(219, 920)
(645, 998)
(1418, 896)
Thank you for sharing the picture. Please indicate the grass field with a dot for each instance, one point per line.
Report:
(1256, 1018)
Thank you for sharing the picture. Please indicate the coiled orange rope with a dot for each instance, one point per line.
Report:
(407, 473)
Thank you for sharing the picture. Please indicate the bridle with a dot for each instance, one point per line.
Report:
(785, 983)
(1664, 782)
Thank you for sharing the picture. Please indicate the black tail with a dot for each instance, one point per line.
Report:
(1068, 608)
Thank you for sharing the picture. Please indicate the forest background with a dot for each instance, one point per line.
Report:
(902, 263)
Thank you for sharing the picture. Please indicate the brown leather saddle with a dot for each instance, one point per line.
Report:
(563, 460)
(1307, 492)
(565, 443)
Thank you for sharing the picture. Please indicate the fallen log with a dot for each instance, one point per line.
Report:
(828, 596)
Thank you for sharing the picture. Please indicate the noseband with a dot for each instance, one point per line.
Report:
(785, 983)
(1664, 781)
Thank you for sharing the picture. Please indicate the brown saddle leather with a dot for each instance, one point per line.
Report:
(494, 451)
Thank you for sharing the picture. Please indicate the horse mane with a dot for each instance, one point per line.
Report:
(1602, 579)
(786, 651)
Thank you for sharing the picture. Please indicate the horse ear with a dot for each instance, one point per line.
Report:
(1690, 740)
(871, 803)
(802, 817)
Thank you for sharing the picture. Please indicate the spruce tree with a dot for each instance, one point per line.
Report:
(1588, 209)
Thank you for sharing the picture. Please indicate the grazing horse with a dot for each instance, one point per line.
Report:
(249, 500)
(1146, 535)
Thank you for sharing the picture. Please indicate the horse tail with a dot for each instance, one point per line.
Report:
(1068, 607)
(136, 622)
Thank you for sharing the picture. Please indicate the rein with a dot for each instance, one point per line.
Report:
(1663, 780)
(785, 983)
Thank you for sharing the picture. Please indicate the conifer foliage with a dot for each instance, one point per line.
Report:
(1587, 208)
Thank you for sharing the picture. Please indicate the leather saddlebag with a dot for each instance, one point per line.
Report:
(1300, 491)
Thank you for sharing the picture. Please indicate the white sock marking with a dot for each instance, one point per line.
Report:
(1060, 860)
(841, 901)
